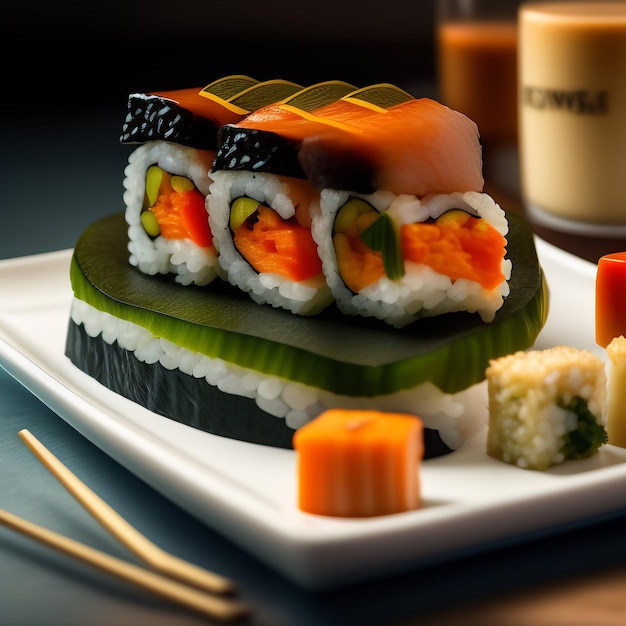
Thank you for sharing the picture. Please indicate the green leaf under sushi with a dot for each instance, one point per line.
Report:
(451, 351)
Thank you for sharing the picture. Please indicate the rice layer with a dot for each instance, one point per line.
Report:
(295, 403)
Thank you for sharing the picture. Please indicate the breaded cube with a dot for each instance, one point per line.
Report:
(546, 406)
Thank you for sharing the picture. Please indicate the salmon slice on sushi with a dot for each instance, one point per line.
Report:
(167, 177)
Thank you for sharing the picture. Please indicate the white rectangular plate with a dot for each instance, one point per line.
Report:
(248, 492)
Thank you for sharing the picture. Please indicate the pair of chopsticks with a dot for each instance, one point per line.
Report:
(173, 578)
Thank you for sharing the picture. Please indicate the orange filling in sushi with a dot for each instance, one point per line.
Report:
(457, 245)
(274, 245)
(175, 209)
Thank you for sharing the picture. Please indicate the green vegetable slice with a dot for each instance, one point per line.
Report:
(451, 351)
(150, 223)
(383, 237)
(154, 178)
(349, 213)
(241, 209)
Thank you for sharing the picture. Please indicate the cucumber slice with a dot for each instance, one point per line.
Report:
(154, 178)
(150, 223)
(451, 351)
(240, 210)
(349, 214)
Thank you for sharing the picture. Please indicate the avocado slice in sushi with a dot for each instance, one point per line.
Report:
(451, 351)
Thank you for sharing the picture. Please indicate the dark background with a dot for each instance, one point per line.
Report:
(64, 54)
(68, 67)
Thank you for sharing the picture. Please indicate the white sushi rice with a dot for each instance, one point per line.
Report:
(304, 297)
(421, 292)
(296, 403)
(190, 263)
(527, 393)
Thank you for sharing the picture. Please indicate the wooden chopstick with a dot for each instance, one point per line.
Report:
(223, 609)
(150, 553)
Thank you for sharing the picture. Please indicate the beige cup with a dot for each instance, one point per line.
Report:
(572, 115)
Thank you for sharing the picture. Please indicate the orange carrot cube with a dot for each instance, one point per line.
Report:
(610, 298)
(354, 463)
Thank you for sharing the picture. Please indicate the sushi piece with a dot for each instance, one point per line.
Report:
(427, 241)
(403, 229)
(401, 258)
(166, 185)
(167, 177)
(262, 227)
(355, 463)
(546, 406)
(260, 212)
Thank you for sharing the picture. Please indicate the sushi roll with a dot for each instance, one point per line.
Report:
(262, 227)
(261, 208)
(167, 177)
(166, 185)
(399, 258)
(418, 237)
(403, 229)
(546, 406)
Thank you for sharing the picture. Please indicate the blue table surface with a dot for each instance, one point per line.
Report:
(56, 178)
